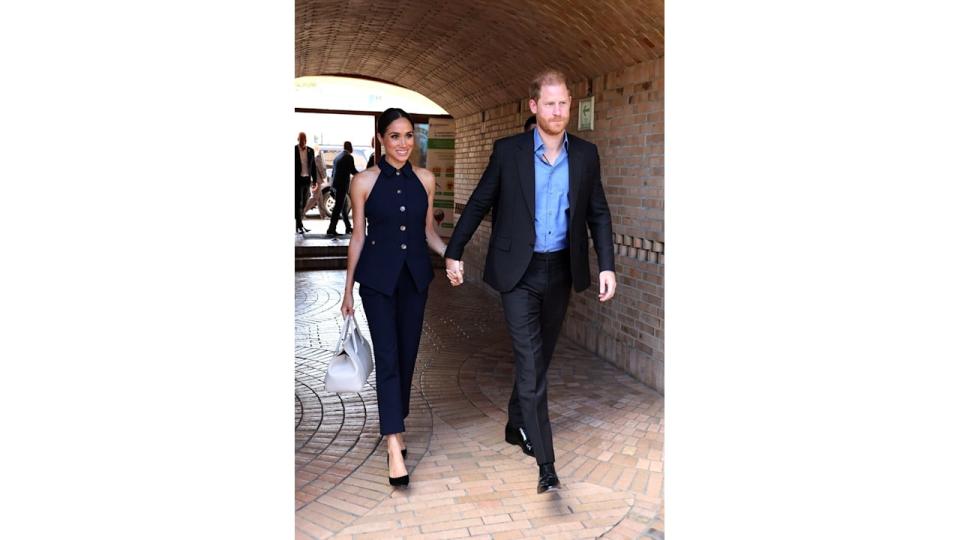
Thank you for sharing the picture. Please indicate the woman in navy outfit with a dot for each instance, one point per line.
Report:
(389, 256)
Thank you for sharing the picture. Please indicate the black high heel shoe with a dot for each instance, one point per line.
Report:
(401, 481)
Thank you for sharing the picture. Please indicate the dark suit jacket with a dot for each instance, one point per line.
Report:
(296, 163)
(509, 182)
(343, 167)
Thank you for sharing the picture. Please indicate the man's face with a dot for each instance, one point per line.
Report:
(552, 109)
(302, 139)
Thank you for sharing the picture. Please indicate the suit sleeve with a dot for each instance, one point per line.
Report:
(598, 218)
(353, 166)
(313, 165)
(483, 197)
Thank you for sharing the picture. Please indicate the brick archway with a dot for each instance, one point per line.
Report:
(469, 56)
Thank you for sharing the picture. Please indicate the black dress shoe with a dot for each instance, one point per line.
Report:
(331, 233)
(548, 479)
(518, 436)
(304, 229)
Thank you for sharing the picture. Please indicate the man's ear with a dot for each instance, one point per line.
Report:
(533, 106)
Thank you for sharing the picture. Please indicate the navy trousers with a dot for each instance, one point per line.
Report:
(395, 325)
(339, 209)
(534, 310)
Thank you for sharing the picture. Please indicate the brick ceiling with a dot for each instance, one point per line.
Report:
(468, 55)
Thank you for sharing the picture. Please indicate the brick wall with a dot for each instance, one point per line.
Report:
(628, 131)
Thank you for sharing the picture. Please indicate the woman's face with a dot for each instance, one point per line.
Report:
(398, 141)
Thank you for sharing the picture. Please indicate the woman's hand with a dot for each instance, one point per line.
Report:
(454, 271)
(346, 307)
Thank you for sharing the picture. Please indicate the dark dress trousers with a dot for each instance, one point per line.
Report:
(394, 273)
(301, 183)
(535, 287)
(343, 167)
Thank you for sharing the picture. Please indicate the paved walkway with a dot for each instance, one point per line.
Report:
(465, 481)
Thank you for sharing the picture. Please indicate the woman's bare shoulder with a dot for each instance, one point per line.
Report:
(366, 176)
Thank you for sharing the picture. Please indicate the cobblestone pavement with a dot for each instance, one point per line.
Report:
(465, 481)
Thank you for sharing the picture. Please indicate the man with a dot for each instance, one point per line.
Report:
(546, 186)
(372, 160)
(317, 192)
(531, 123)
(305, 174)
(343, 168)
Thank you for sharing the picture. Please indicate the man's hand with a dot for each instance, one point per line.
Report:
(608, 285)
(454, 271)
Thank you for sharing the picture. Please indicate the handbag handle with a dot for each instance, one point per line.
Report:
(347, 323)
(347, 333)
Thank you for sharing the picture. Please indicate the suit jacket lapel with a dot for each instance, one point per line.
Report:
(575, 163)
(526, 170)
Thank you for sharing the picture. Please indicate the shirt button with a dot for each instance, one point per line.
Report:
(373, 242)
(403, 227)
(399, 191)
(403, 246)
(403, 208)
(398, 173)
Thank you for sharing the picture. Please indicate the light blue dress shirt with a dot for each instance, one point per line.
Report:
(552, 202)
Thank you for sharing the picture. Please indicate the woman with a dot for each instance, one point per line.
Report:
(391, 262)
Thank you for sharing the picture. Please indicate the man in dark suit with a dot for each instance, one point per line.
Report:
(546, 186)
(304, 174)
(343, 168)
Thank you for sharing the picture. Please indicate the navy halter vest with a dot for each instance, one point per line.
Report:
(396, 212)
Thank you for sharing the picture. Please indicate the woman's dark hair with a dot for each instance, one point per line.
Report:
(388, 117)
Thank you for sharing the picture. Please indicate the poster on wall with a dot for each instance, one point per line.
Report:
(440, 160)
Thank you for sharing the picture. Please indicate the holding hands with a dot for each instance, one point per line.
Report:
(454, 271)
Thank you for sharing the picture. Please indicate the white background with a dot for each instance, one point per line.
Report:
(147, 384)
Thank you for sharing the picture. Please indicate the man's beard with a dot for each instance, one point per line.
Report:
(553, 127)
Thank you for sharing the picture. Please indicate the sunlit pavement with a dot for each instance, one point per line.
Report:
(465, 481)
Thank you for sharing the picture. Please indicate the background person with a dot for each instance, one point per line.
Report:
(343, 168)
(318, 189)
(305, 174)
(531, 123)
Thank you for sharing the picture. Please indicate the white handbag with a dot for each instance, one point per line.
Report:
(351, 365)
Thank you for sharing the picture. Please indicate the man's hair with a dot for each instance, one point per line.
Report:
(544, 78)
(348, 146)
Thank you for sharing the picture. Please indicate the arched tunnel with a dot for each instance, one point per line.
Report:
(475, 59)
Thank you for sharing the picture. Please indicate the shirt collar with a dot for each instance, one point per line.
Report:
(538, 146)
(390, 170)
